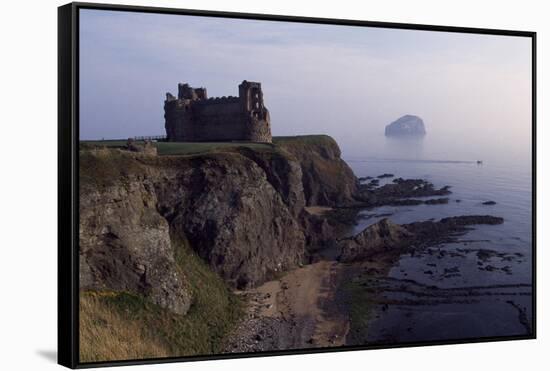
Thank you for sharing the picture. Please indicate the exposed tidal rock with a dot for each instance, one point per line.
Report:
(364, 178)
(388, 237)
(406, 126)
(400, 191)
(447, 229)
(414, 202)
(375, 238)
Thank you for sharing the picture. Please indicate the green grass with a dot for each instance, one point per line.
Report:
(189, 148)
(305, 139)
(104, 143)
(181, 148)
(215, 309)
(120, 325)
(360, 309)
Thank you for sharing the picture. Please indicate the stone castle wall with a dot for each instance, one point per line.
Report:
(193, 117)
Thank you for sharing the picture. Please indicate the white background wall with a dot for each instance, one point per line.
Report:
(28, 155)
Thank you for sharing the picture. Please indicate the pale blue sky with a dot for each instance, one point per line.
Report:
(348, 82)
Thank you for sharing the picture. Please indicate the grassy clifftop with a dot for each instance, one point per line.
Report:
(327, 179)
(190, 148)
(182, 148)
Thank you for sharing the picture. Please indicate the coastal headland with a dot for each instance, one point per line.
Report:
(202, 248)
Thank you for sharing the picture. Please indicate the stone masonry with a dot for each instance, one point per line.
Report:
(193, 117)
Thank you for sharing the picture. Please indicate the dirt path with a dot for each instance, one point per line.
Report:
(296, 311)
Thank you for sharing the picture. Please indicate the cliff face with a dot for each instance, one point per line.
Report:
(241, 211)
(326, 178)
(284, 172)
(125, 243)
(232, 216)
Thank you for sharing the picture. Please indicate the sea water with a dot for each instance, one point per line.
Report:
(478, 301)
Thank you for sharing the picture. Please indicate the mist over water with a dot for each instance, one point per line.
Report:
(503, 177)
(436, 146)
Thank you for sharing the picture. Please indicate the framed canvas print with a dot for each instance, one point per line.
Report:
(235, 185)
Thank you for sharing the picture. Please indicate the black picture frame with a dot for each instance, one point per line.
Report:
(68, 182)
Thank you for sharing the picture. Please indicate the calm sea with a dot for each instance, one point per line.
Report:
(467, 295)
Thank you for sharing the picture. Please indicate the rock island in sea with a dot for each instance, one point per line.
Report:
(406, 126)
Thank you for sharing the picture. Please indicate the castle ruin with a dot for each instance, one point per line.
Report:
(193, 117)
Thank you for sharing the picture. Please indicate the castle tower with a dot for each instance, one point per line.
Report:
(193, 117)
(257, 115)
(251, 96)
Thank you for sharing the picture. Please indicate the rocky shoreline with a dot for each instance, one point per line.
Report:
(272, 223)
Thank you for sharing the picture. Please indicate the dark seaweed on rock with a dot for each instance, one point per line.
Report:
(400, 192)
(447, 229)
(414, 202)
(388, 237)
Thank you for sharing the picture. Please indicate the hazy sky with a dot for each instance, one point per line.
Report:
(348, 82)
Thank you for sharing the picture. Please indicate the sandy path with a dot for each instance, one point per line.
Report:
(302, 307)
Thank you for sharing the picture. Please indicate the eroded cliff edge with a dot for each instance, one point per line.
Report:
(240, 209)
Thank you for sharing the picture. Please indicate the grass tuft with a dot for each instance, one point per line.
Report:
(120, 325)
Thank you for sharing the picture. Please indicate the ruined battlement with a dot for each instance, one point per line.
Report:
(216, 100)
(194, 117)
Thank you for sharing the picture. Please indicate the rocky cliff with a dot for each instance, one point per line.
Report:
(327, 179)
(231, 215)
(124, 241)
(239, 209)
